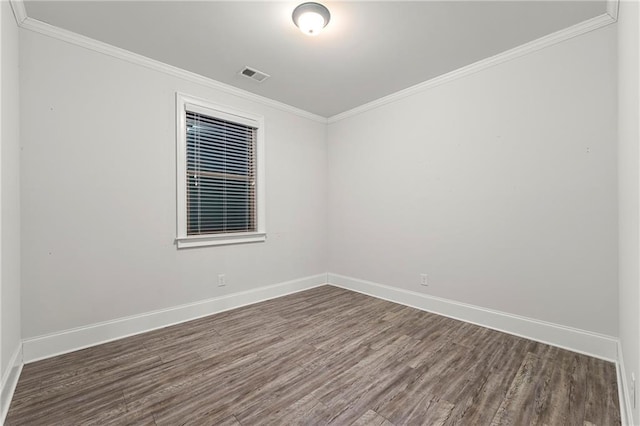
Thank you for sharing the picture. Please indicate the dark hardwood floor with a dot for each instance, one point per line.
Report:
(323, 356)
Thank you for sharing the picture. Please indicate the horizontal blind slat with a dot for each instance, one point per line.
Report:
(220, 175)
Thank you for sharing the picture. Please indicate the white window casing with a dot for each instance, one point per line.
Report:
(220, 176)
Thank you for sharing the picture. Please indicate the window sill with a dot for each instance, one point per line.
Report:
(219, 240)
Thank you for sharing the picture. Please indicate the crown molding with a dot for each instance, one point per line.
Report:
(612, 9)
(19, 11)
(524, 49)
(134, 58)
(584, 27)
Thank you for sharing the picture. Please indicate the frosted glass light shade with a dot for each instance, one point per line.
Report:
(311, 18)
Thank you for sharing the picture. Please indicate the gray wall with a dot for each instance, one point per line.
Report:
(9, 190)
(501, 186)
(99, 191)
(629, 187)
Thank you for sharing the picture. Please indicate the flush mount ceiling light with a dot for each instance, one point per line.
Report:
(311, 18)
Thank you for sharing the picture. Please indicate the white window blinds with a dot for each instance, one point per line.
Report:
(221, 175)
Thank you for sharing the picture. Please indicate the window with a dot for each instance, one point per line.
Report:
(220, 174)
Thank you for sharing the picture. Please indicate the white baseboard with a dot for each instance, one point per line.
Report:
(50, 345)
(573, 339)
(9, 382)
(626, 413)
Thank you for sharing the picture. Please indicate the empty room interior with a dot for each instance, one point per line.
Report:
(289, 213)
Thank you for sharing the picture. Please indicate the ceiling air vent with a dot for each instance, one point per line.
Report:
(254, 74)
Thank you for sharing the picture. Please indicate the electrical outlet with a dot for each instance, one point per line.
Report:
(423, 280)
(222, 280)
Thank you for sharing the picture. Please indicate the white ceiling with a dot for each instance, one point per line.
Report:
(369, 49)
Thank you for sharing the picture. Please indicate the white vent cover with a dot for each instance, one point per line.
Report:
(254, 74)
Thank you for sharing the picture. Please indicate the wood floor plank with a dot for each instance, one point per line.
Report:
(79, 404)
(488, 397)
(430, 411)
(279, 393)
(365, 392)
(528, 392)
(566, 404)
(371, 418)
(307, 411)
(318, 357)
(602, 396)
(433, 374)
(83, 395)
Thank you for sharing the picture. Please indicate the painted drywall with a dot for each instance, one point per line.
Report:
(501, 186)
(99, 193)
(629, 188)
(9, 191)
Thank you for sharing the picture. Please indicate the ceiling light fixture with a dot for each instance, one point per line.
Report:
(311, 18)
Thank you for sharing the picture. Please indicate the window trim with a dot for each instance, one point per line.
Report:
(183, 102)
